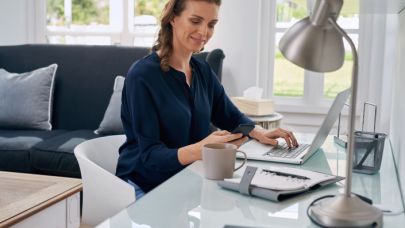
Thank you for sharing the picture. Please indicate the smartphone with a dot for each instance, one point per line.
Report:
(244, 129)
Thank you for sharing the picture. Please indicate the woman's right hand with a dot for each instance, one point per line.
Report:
(223, 137)
(191, 153)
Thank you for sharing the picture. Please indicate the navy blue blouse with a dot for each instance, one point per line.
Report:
(161, 113)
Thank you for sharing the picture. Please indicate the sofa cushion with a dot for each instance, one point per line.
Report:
(84, 79)
(111, 123)
(15, 146)
(26, 99)
(55, 156)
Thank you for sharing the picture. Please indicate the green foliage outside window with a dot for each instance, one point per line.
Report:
(84, 12)
(297, 9)
(55, 12)
(149, 7)
(291, 9)
(90, 11)
(292, 85)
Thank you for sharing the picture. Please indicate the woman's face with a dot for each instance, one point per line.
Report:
(195, 25)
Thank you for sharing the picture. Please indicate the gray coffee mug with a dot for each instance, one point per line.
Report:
(219, 160)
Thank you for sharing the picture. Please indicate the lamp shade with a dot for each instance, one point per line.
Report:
(315, 47)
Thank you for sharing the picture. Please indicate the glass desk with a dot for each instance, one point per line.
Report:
(190, 200)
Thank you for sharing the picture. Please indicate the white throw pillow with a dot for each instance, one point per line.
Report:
(111, 123)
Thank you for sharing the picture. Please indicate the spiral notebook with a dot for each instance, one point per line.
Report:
(278, 183)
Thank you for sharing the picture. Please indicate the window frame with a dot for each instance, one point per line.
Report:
(119, 30)
(313, 100)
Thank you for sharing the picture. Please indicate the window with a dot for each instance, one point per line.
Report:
(293, 82)
(104, 22)
(288, 78)
(80, 22)
(146, 18)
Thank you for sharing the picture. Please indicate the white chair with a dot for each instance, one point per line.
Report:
(104, 194)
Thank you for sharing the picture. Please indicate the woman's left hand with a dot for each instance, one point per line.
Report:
(269, 136)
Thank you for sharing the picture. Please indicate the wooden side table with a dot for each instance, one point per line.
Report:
(28, 200)
(268, 121)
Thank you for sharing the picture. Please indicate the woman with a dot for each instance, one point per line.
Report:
(170, 98)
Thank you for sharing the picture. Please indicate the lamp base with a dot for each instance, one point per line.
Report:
(343, 211)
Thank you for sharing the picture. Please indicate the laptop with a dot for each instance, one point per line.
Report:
(281, 153)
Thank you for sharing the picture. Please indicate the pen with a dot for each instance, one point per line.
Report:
(286, 174)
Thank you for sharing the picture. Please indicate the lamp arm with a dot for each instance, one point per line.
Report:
(352, 108)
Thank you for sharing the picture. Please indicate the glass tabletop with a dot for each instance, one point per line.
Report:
(189, 200)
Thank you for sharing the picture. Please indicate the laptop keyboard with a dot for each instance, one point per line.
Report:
(283, 151)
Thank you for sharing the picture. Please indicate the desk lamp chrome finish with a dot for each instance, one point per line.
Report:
(316, 43)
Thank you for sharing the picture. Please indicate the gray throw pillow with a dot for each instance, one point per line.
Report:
(111, 123)
(26, 99)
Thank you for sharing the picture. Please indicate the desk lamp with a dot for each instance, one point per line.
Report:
(316, 43)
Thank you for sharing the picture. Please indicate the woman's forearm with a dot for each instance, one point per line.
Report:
(256, 132)
(189, 154)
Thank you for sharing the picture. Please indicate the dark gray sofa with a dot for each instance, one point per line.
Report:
(83, 87)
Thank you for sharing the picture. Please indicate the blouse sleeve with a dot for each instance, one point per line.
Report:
(225, 114)
(144, 120)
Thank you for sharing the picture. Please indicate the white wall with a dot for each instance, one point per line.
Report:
(13, 22)
(397, 133)
(22, 21)
(237, 35)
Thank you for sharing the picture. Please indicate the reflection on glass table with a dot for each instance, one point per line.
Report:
(190, 200)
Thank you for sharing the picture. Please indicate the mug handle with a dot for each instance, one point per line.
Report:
(244, 160)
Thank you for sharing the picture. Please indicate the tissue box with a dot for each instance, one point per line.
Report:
(254, 107)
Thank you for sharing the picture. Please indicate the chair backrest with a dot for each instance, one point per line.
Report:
(215, 59)
(104, 194)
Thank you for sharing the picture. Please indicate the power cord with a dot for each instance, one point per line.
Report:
(312, 204)
(387, 211)
(392, 213)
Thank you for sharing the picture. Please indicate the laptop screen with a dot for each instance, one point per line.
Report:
(329, 120)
